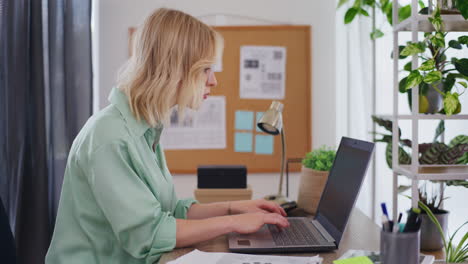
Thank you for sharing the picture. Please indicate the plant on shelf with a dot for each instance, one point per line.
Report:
(453, 253)
(432, 153)
(385, 7)
(439, 78)
(314, 174)
(435, 152)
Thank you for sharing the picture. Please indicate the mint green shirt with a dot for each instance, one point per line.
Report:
(118, 203)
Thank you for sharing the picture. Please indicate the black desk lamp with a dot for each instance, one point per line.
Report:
(272, 123)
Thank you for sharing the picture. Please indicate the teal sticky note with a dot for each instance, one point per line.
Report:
(244, 120)
(264, 144)
(259, 115)
(243, 142)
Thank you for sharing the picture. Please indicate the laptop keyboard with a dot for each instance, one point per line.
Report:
(296, 234)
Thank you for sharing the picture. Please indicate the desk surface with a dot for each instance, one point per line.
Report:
(361, 233)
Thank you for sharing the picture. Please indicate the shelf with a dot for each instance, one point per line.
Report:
(435, 172)
(426, 117)
(452, 23)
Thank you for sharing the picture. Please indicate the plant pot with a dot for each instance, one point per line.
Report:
(430, 236)
(448, 7)
(311, 187)
(433, 101)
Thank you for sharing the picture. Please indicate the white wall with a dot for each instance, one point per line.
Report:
(114, 17)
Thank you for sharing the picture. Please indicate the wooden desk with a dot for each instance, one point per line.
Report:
(361, 233)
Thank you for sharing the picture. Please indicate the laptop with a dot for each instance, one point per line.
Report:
(324, 231)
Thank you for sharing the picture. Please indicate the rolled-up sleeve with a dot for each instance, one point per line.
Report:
(182, 207)
(134, 213)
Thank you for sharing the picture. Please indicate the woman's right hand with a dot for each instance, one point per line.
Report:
(252, 222)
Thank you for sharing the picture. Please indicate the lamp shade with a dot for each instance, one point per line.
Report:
(272, 122)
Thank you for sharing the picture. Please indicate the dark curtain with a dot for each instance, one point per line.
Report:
(45, 98)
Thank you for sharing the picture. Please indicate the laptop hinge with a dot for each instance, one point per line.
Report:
(323, 231)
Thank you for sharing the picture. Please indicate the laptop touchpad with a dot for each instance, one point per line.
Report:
(243, 242)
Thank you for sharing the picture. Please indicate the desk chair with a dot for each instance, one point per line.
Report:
(7, 243)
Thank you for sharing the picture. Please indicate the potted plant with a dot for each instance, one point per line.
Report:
(453, 253)
(385, 7)
(436, 152)
(441, 80)
(314, 174)
(430, 238)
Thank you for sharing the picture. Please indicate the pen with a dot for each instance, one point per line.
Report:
(384, 210)
(385, 224)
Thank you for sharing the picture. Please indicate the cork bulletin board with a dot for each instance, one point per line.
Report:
(297, 101)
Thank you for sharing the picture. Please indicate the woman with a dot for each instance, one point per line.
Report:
(118, 203)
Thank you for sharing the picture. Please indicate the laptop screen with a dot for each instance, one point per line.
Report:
(343, 184)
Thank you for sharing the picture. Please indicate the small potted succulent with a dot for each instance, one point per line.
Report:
(314, 174)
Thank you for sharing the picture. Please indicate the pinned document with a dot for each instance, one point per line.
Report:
(262, 72)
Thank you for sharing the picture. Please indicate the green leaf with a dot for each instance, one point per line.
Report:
(427, 65)
(421, 4)
(452, 155)
(434, 220)
(376, 34)
(402, 85)
(433, 154)
(408, 66)
(455, 44)
(342, 2)
(387, 9)
(414, 79)
(449, 82)
(357, 4)
(404, 12)
(350, 14)
(432, 77)
(387, 124)
(436, 20)
(460, 139)
(439, 130)
(463, 84)
(413, 48)
(463, 40)
(403, 156)
(462, 5)
(462, 66)
(363, 12)
(438, 40)
(450, 103)
(400, 49)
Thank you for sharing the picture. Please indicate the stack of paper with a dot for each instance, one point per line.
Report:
(197, 256)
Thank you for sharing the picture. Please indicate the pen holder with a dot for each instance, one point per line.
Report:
(399, 247)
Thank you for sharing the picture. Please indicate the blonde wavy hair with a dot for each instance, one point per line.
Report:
(171, 52)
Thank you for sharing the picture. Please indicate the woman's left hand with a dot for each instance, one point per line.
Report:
(254, 206)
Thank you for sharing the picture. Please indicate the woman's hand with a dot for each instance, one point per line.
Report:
(252, 222)
(256, 206)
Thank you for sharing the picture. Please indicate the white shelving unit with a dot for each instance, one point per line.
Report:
(416, 172)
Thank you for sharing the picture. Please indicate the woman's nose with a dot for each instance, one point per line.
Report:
(212, 80)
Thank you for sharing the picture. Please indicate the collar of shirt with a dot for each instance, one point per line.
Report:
(137, 127)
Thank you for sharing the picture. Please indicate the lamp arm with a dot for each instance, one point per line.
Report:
(283, 161)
